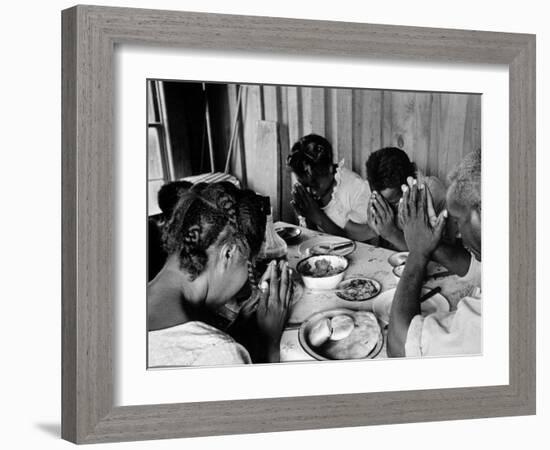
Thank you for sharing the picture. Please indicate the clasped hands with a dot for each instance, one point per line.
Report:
(270, 304)
(305, 205)
(422, 228)
(416, 216)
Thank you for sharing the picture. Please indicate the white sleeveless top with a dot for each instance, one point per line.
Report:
(194, 344)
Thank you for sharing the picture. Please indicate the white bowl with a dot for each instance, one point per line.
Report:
(305, 266)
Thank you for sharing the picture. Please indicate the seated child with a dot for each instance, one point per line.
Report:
(329, 196)
(387, 170)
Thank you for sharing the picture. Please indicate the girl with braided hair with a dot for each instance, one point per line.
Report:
(329, 196)
(209, 241)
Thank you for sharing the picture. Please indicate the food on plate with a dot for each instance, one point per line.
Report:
(321, 268)
(320, 332)
(357, 289)
(319, 250)
(342, 326)
(360, 342)
(324, 245)
(346, 336)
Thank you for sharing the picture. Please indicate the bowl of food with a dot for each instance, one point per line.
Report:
(340, 334)
(322, 271)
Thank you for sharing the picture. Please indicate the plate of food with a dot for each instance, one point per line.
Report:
(340, 334)
(322, 271)
(289, 233)
(327, 245)
(381, 305)
(358, 289)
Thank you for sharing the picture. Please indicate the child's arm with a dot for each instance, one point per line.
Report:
(359, 231)
(397, 239)
(328, 226)
(383, 221)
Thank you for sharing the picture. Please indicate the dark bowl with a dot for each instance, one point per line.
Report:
(289, 234)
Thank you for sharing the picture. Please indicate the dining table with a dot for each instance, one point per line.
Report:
(366, 260)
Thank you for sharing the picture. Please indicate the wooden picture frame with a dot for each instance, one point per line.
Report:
(89, 37)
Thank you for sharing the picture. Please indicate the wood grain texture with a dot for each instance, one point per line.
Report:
(89, 211)
(436, 129)
(367, 127)
(69, 258)
(264, 172)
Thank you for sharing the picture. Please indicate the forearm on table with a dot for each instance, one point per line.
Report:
(405, 304)
(397, 239)
(328, 226)
(359, 231)
(454, 258)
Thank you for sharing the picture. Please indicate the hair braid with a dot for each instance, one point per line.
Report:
(212, 214)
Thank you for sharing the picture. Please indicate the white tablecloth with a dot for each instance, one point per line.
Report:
(366, 260)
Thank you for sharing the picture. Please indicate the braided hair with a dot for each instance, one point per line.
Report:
(169, 194)
(253, 210)
(389, 167)
(213, 214)
(311, 154)
(204, 216)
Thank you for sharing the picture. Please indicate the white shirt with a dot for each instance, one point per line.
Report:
(350, 198)
(194, 344)
(450, 333)
(447, 333)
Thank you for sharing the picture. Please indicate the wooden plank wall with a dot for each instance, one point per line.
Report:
(436, 129)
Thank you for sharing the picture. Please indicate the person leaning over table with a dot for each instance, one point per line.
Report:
(387, 170)
(329, 196)
(441, 333)
(207, 264)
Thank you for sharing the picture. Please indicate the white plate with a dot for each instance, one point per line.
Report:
(345, 285)
(397, 259)
(306, 246)
(381, 305)
(305, 329)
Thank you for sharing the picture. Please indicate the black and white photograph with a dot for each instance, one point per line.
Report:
(258, 225)
(295, 223)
